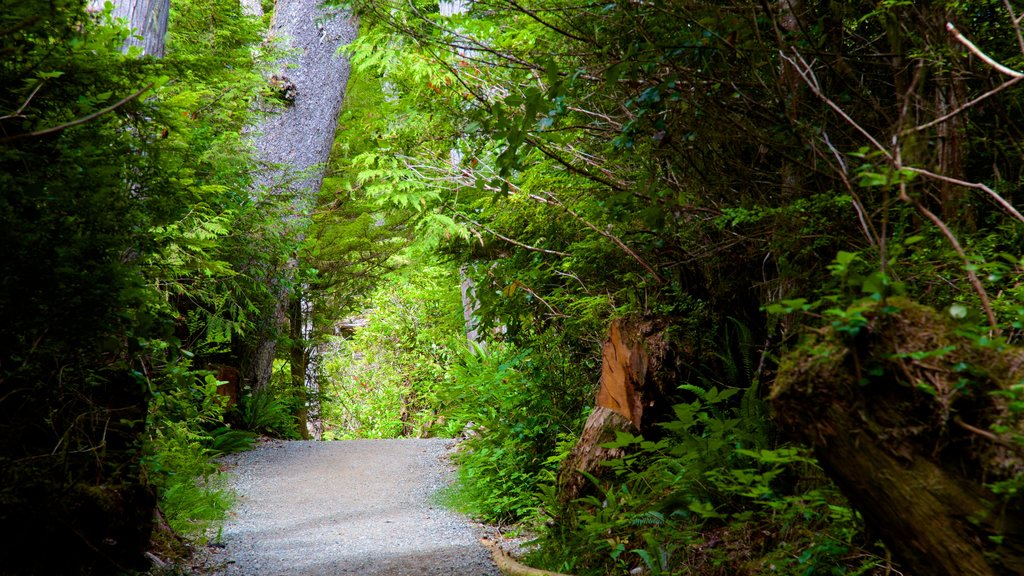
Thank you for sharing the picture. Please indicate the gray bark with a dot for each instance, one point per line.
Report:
(294, 141)
(146, 18)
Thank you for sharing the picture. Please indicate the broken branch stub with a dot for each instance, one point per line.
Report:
(638, 372)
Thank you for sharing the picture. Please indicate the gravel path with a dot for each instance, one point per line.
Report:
(352, 507)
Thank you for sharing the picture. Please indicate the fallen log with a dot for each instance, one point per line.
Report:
(916, 424)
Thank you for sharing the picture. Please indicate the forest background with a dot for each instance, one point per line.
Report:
(798, 216)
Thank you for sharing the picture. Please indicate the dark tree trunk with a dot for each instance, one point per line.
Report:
(900, 416)
(298, 363)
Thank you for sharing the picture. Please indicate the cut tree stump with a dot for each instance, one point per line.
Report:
(903, 416)
(638, 368)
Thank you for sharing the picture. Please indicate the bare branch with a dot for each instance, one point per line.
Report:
(961, 109)
(977, 52)
(972, 276)
(514, 242)
(79, 121)
(615, 239)
(1016, 24)
(977, 185)
(805, 72)
(17, 114)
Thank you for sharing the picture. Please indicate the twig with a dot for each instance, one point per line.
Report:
(554, 311)
(812, 82)
(1016, 24)
(611, 237)
(978, 185)
(79, 121)
(983, 433)
(961, 109)
(516, 243)
(951, 238)
(24, 105)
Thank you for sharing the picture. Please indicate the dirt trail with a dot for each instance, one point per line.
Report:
(356, 507)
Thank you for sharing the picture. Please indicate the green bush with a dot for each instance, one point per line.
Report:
(710, 498)
(266, 412)
(512, 402)
(384, 381)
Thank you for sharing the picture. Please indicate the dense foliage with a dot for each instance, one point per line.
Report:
(741, 173)
(136, 256)
(738, 170)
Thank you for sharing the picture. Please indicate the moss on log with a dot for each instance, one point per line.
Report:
(914, 423)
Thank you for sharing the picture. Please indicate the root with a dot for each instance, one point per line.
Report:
(509, 566)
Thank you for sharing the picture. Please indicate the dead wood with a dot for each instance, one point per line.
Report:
(903, 414)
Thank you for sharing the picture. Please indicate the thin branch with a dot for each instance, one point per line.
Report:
(983, 433)
(961, 109)
(79, 121)
(805, 72)
(1016, 24)
(972, 276)
(554, 311)
(610, 236)
(24, 105)
(977, 185)
(547, 24)
(977, 52)
(516, 243)
(866, 226)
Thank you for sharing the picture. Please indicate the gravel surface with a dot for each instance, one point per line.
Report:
(351, 507)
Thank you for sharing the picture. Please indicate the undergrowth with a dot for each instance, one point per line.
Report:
(709, 497)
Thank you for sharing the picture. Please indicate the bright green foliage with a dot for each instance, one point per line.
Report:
(385, 381)
(268, 411)
(518, 421)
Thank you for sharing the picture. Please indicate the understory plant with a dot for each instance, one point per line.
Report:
(383, 381)
(186, 416)
(517, 423)
(710, 496)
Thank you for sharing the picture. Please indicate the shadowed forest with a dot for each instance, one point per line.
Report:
(707, 288)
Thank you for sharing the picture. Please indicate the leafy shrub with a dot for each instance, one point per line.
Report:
(513, 400)
(707, 498)
(384, 381)
(226, 440)
(267, 412)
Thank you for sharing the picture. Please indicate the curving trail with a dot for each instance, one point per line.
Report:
(354, 507)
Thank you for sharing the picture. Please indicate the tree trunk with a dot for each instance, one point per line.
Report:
(294, 143)
(900, 417)
(298, 362)
(146, 18)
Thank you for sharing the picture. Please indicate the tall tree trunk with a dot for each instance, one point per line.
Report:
(294, 143)
(147, 19)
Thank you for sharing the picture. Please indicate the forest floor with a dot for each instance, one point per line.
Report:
(365, 507)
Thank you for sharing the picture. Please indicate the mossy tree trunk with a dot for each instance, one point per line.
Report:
(901, 413)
